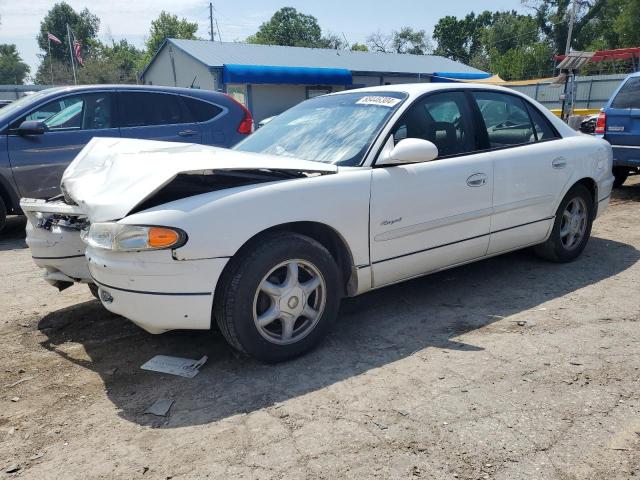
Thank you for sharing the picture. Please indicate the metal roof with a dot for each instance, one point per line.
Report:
(217, 54)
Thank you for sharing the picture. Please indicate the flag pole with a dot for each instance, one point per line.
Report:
(50, 58)
(73, 66)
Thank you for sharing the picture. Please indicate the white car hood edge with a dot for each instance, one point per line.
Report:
(111, 176)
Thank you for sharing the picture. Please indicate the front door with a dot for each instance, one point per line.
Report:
(157, 116)
(430, 215)
(38, 161)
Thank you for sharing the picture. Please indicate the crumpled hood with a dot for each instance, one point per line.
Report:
(111, 176)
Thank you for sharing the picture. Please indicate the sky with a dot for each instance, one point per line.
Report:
(131, 19)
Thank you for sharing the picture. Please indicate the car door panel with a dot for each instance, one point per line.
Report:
(156, 116)
(427, 216)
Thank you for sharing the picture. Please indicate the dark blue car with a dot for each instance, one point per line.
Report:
(42, 133)
(619, 124)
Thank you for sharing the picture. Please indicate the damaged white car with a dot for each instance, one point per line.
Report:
(337, 196)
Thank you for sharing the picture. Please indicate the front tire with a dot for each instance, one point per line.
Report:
(571, 228)
(279, 297)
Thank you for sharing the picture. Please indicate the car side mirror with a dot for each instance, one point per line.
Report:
(411, 150)
(32, 127)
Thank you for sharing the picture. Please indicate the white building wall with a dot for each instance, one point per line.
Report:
(161, 71)
(269, 100)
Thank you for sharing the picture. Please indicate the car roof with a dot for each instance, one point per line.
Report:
(194, 92)
(417, 89)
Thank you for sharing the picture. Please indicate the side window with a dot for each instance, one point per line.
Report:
(79, 112)
(505, 118)
(200, 110)
(629, 95)
(544, 129)
(443, 119)
(143, 109)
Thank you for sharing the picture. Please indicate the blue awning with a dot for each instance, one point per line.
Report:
(233, 73)
(454, 76)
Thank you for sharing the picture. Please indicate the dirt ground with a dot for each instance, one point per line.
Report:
(511, 368)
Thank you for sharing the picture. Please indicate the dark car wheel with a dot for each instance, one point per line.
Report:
(93, 288)
(3, 214)
(571, 228)
(620, 174)
(278, 299)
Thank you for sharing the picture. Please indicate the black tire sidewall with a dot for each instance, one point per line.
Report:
(3, 214)
(249, 274)
(621, 174)
(563, 254)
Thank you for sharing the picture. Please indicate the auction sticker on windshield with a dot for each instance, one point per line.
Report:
(379, 100)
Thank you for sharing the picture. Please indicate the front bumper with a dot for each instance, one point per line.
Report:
(155, 291)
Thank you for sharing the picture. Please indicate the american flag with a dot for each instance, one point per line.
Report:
(53, 38)
(77, 52)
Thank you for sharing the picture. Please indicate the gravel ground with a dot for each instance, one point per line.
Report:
(510, 368)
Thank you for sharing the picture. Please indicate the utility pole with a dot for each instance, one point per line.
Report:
(572, 19)
(211, 20)
(73, 65)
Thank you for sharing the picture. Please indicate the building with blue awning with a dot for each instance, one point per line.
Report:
(268, 79)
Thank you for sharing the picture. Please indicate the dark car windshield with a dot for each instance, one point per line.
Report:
(334, 129)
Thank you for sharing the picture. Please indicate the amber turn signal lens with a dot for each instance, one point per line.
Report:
(162, 237)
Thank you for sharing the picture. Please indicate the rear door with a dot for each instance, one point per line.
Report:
(623, 115)
(38, 161)
(531, 167)
(211, 120)
(156, 116)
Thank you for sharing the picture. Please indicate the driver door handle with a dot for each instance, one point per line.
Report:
(477, 180)
(559, 162)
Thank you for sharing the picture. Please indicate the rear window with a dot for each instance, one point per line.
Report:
(141, 109)
(202, 111)
(629, 95)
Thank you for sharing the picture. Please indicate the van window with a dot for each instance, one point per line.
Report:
(629, 94)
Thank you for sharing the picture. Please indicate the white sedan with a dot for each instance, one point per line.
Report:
(339, 195)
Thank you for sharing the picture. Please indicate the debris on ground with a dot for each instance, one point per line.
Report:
(183, 367)
(160, 407)
(18, 382)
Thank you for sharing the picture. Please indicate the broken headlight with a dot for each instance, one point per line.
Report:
(133, 238)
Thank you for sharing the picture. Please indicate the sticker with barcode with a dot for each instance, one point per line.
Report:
(378, 100)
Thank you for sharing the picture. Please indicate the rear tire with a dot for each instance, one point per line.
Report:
(620, 174)
(3, 214)
(571, 228)
(279, 297)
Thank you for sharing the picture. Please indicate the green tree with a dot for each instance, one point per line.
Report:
(12, 69)
(508, 30)
(461, 39)
(359, 47)
(627, 23)
(84, 25)
(408, 40)
(169, 26)
(552, 16)
(291, 28)
(405, 40)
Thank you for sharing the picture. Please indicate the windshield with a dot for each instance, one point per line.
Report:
(7, 111)
(334, 129)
